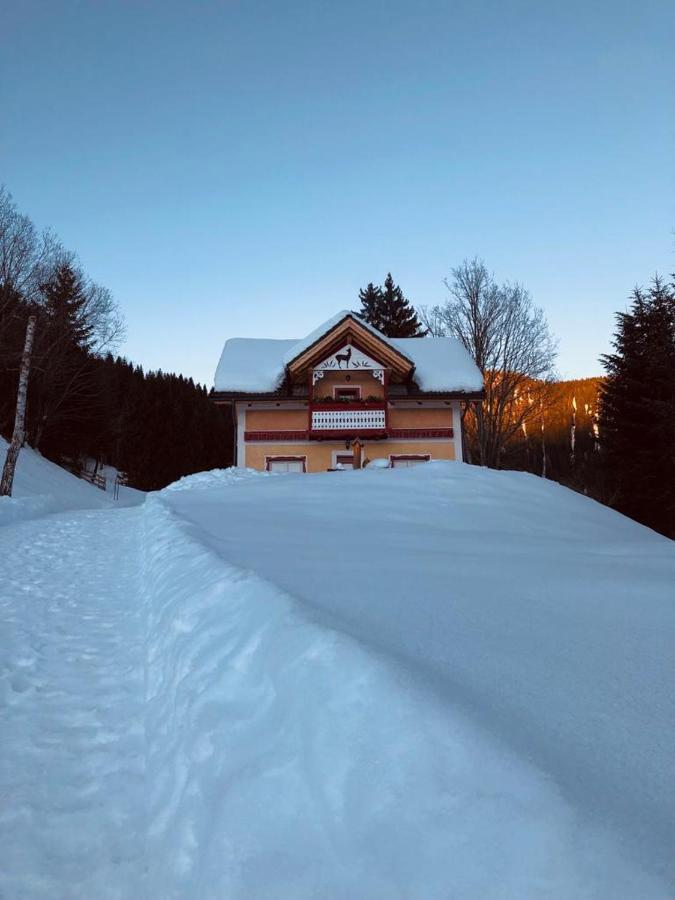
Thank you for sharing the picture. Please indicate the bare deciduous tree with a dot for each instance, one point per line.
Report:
(509, 339)
(26, 255)
(7, 480)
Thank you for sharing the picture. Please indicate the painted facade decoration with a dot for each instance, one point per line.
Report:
(346, 397)
(348, 358)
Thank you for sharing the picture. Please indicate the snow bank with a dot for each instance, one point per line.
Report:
(41, 487)
(204, 481)
(542, 617)
(286, 758)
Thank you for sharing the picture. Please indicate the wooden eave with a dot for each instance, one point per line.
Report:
(410, 394)
(349, 330)
(231, 396)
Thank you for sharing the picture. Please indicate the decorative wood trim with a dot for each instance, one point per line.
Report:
(349, 328)
(412, 396)
(252, 436)
(348, 434)
(339, 434)
(420, 433)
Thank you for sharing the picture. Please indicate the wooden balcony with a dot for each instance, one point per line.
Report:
(347, 419)
(343, 420)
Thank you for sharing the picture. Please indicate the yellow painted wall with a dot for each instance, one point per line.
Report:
(420, 417)
(276, 419)
(320, 454)
(370, 386)
(436, 449)
(297, 419)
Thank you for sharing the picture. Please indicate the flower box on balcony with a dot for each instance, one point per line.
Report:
(347, 403)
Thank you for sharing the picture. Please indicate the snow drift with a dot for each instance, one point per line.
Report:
(432, 682)
(288, 759)
(42, 487)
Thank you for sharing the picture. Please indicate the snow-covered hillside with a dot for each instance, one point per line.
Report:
(431, 682)
(42, 487)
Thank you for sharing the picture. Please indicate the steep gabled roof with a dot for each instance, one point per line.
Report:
(340, 330)
(315, 336)
(259, 365)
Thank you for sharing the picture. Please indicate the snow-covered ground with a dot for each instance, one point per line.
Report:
(42, 487)
(432, 682)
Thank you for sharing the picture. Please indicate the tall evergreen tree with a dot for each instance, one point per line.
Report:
(65, 394)
(371, 303)
(389, 311)
(399, 318)
(65, 303)
(637, 409)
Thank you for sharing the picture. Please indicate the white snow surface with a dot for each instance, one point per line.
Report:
(430, 682)
(42, 487)
(251, 365)
(258, 365)
(441, 364)
(205, 481)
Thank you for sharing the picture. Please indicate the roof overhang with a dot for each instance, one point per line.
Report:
(243, 396)
(349, 330)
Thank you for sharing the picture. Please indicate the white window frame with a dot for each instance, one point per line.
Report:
(347, 387)
(280, 457)
(409, 457)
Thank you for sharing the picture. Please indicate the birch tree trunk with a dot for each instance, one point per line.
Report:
(20, 419)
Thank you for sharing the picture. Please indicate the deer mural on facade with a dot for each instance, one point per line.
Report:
(340, 357)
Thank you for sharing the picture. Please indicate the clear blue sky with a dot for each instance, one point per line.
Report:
(242, 168)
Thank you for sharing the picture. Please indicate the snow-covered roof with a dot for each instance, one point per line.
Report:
(325, 327)
(257, 365)
(441, 364)
(252, 365)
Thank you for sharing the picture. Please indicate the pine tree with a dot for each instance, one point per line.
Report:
(388, 310)
(637, 410)
(66, 394)
(371, 305)
(65, 302)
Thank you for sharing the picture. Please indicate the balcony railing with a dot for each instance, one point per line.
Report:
(353, 416)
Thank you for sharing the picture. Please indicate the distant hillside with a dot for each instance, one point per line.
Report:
(563, 446)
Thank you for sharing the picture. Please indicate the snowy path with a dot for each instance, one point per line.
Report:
(71, 715)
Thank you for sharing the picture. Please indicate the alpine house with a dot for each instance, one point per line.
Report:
(344, 396)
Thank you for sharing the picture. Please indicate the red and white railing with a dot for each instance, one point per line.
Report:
(348, 419)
